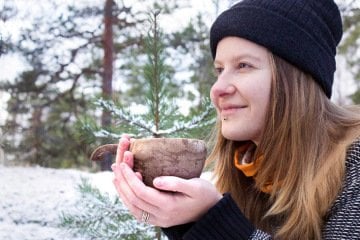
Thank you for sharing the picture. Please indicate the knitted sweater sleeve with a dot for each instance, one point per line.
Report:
(343, 221)
(225, 221)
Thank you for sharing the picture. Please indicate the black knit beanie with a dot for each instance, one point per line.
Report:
(303, 32)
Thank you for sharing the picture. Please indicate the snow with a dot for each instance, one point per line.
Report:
(32, 199)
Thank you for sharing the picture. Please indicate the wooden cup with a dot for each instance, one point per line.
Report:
(180, 157)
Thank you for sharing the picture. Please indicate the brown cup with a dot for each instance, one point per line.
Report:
(180, 157)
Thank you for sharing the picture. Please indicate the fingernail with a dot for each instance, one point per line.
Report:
(113, 167)
(158, 182)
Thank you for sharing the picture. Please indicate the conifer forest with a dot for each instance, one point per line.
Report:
(78, 74)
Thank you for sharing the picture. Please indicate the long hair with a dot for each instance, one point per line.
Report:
(304, 145)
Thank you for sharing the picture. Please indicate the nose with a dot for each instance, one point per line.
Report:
(221, 88)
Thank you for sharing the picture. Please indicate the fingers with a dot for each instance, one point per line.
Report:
(133, 192)
(139, 176)
(175, 184)
(123, 146)
(196, 194)
(134, 185)
(129, 158)
(133, 209)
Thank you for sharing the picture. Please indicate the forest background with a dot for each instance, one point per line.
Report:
(59, 57)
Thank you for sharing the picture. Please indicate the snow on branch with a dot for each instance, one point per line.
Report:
(122, 115)
(204, 119)
(195, 122)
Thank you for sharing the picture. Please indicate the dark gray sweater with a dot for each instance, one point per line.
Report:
(226, 221)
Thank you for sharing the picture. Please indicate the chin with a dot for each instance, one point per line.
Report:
(231, 136)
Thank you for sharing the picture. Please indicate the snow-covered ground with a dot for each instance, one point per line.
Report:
(32, 199)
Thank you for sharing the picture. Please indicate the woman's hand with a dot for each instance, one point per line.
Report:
(183, 201)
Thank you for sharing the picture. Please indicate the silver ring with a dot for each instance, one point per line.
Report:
(145, 216)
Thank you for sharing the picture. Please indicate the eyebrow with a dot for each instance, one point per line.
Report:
(240, 57)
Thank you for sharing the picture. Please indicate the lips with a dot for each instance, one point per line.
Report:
(229, 109)
(230, 106)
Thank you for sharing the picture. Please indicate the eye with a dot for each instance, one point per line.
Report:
(218, 70)
(244, 65)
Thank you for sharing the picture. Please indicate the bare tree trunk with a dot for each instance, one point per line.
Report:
(36, 132)
(108, 44)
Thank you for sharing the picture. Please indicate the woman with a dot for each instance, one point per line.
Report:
(287, 160)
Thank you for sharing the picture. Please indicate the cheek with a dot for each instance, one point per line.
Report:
(262, 106)
(261, 92)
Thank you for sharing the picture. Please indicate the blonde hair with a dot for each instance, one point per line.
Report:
(304, 145)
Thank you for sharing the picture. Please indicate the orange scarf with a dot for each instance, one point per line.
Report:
(244, 162)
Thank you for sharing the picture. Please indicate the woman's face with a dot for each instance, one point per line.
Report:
(242, 91)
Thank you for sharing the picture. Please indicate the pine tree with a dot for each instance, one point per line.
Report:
(64, 56)
(162, 119)
(98, 216)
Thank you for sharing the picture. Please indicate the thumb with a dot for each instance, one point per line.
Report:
(174, 184)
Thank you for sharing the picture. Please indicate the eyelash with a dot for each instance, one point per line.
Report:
(245, 65)
(218, 70)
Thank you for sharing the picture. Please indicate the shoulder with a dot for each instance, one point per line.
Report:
(352, 167)
(342, 221)
(353, 154)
